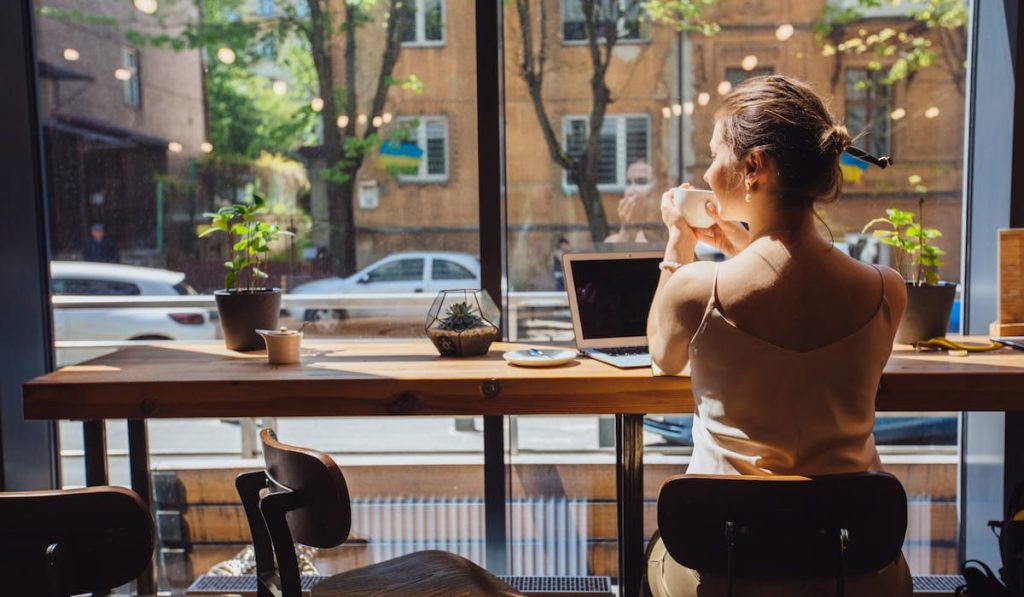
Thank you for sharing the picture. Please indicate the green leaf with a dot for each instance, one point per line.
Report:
(230, 279)
(240, 245)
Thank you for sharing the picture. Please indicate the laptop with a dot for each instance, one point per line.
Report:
(609, 297)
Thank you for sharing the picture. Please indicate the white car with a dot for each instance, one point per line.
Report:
(428, 272)
(84, 278)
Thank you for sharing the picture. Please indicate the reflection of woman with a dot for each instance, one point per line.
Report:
(786, 340)
(637, 207)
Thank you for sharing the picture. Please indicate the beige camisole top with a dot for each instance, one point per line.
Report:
(761, 409)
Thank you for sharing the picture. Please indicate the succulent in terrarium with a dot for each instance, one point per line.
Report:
(460, 317)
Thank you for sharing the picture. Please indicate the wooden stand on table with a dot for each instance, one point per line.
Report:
(1011, 285)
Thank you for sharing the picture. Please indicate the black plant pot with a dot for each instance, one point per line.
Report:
(927, 314)
(242, 312)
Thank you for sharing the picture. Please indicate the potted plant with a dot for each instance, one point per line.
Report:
(245, 304)
(929, 301)
(459, 323)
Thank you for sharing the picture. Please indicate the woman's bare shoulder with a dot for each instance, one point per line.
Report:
(691, 284)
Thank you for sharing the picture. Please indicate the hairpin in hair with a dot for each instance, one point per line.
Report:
(882, 162)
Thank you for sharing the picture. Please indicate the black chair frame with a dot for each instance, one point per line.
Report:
(271, 536)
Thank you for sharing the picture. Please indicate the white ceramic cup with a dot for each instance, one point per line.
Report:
(691, 202)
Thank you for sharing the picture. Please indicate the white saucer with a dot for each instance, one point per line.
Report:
(539, 357)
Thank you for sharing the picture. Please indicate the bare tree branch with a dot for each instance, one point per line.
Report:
(393, 32)
(533, 73)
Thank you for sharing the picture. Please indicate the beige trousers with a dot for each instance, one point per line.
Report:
(667, 578)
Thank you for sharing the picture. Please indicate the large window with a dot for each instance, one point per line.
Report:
(869, 109)
(624, 140)
(426, 143)
(626, 19)
(424, 23)
(372, 164)
(130, 77)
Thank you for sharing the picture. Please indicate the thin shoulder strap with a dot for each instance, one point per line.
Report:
(713, 299)
(881, 276)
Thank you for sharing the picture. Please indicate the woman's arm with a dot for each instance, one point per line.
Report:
(670, 322)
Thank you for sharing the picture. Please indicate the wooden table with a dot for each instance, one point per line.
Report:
(382, 378)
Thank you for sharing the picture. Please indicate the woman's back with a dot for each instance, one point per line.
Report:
(786, 361)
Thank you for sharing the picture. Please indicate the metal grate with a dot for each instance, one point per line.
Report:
(937, 584)
(244, 584)
(555, 586)
(589, 586)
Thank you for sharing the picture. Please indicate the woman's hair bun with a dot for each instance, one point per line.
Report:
(836, 139)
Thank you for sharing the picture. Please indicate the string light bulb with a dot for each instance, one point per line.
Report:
(749, 62)
(784, 32)
(932, 112)
(226, 55)
(206, 147)
(71, 55)
(316, 104)
(146, 6)
(174, 147)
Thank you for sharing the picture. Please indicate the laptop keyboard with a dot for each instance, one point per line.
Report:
(624, 351)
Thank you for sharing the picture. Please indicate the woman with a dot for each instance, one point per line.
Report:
(787, 339)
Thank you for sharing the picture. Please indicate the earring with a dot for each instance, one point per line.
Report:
(747, 197)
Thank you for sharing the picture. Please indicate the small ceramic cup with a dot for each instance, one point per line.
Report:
(282, 345)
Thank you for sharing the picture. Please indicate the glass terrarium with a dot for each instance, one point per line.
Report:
(463, 323)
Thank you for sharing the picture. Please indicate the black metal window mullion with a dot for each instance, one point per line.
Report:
(493, 243)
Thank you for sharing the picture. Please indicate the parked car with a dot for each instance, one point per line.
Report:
(83, 278)
(428, 272)
(889, 430)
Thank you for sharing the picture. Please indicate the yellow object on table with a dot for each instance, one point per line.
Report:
(943, 343)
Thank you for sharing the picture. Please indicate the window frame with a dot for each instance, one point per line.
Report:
(870, 105)
(645, 38)
(420, 130)
(132, 85)
(619, 186)
(420, 16)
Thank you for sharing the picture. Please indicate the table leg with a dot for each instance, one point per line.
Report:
(629, 480)
(138, 464)
(495, 490)
(94, 435)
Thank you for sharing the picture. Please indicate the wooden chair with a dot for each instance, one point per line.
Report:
(59, 543)
(302, 497)
(783, 528)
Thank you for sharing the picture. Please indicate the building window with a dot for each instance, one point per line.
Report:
(130, 86)
(424, 23)
(426, 145)
(627, 18)
(624, 139)
(735, 76)
(868, 105)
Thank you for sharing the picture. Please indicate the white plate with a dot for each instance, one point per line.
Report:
(539, 357)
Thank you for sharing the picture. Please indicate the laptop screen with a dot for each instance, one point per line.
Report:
(614, 295)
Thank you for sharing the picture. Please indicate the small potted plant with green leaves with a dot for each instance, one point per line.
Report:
(246, 304)
(460, 323)
(929, 300)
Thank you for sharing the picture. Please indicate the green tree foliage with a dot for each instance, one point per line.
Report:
(935, 36)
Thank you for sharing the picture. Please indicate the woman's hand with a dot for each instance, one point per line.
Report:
(728, 237)
(682, 240)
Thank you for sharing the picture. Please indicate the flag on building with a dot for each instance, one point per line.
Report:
(400, 157)
(853, 168)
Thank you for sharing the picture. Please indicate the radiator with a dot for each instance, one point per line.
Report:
(547, 536)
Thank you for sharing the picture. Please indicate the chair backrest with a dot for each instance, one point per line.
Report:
(783, 527)
(74, 541)
(322, 516)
